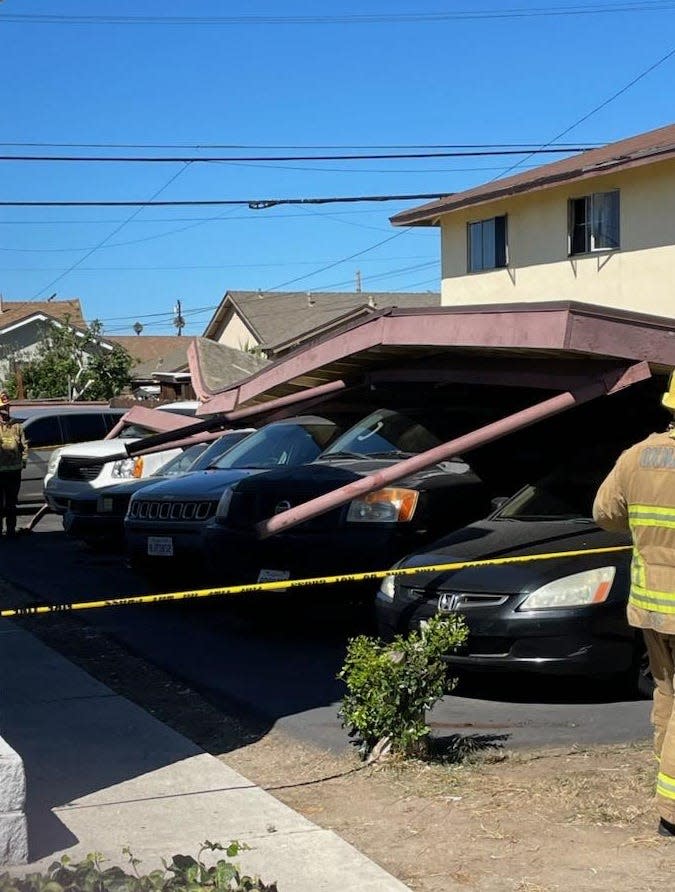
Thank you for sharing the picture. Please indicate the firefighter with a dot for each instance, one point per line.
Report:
(639, 495)
(13, 455)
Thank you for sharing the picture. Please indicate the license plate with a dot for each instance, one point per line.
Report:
(274, 576)
(160, 546)
(105, 505)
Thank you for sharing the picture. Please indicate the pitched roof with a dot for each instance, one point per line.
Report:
(12, 311)
(646, 148)
(149, 348)
(285, 317)
(219, 366)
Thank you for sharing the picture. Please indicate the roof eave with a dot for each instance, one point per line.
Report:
(430, 214)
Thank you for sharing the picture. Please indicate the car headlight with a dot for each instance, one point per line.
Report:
(577, 590)
(54, 460)
(223, 508)
(127, 467)
(387, 587)
(391, 505)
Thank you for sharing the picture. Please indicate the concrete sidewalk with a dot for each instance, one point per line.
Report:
(103, 774)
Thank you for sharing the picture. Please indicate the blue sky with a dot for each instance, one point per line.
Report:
(259, 84)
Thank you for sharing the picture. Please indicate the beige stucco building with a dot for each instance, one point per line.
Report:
(596, 228)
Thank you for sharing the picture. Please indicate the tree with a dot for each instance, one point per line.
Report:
(70, 363)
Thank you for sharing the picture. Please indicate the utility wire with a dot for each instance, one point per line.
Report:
(109, 236)
(337, 262)
(253, 203)
(252, 159)
(347, 19)
(597, 108)
(202, 146)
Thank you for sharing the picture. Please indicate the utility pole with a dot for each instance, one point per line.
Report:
(178, 319)
(358, 281)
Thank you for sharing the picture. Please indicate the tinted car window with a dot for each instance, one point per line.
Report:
(135, 430)
(182, 463)
(279, 444)
(78, 428)
(110, 419)
(385, 432)
(218, 448)
(559, 496)
(41, 432)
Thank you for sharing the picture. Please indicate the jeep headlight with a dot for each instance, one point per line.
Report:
(127, 468)
(223, 508)
(387, 587)
(391, 505)
(577, 590)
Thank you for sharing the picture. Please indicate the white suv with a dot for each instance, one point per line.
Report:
(73, 470)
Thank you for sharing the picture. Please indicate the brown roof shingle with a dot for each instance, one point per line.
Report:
(146, 348)
(281, 317)
(12, 311)
(646, 148)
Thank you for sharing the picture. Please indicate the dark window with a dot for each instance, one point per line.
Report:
(41, 432)
(79, 428)
(220, 447)
(280, 444)
(487, 244)
(594, 223)
(110, 419)
(385, 432)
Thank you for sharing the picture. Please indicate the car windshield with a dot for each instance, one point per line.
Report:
(564, 495)
(134, 430)
(281, 443)
(218, 448)
(385, 432)
(181, 464)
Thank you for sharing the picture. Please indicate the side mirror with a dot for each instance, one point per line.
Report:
(497, 502)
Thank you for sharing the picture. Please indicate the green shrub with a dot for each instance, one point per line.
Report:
(182, 874)
(390, 687)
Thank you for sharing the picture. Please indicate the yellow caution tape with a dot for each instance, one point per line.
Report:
(284, 584)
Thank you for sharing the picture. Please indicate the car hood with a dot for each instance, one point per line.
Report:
(96, 448)
(489, 539)
(319, 477)
(208, 484)
(128, 487)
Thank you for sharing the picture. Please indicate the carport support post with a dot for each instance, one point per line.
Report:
(614, 381)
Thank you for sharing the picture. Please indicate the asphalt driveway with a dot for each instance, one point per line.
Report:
(277, 658)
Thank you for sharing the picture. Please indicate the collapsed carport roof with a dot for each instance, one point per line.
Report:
(573, 352)
(548, 345)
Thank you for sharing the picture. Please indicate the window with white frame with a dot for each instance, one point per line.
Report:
(486, 242)
(594, 223)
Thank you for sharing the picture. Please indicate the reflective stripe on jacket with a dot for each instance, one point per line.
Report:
(639, 495)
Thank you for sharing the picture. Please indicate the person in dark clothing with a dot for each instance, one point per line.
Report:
(13, 455)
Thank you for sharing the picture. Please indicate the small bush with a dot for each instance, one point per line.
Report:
(182, 874)
(390, 687)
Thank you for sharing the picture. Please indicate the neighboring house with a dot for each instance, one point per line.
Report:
(597, 228)
(22, 328)
(164, 372)
(274, 323)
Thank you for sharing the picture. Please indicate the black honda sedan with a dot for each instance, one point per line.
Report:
(565, 615)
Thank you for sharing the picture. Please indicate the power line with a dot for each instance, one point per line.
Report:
(252, 159)
(110, 235)
(598, 108)
(202, 146)
(253, 203)
(337, 262)
(347, 19)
